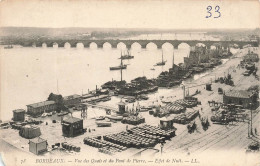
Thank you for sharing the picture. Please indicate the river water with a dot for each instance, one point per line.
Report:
(29, 75)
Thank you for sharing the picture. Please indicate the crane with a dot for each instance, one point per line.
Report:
(184, 87)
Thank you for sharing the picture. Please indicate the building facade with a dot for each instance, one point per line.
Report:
(72, 127)
(41, 107)
(240, 97)
(18, 115)
(38, 145)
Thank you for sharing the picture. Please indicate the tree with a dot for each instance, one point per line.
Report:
(58, 100)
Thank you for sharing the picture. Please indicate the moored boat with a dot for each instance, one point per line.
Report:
(120, 67)
(8, 47)
(115, 117)
(162, 63)
(100, 118)
(127, 56)
(104, 124)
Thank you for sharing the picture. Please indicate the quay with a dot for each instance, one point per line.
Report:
(183, 125)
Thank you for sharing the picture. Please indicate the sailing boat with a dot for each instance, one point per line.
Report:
(127, 55)
(8, 47)
(162, 63)
(122, 66)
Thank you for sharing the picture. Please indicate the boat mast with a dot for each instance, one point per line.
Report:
(121, 58)
(121, 73)
(58, 87)
(162, 55)
(173, 59)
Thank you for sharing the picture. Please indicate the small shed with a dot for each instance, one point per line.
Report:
(18, 115)
(121, 107)
(38, 145)
(72, 127)
(166, 123)
(208, 87)
(30, 131)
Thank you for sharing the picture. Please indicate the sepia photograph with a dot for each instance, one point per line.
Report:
(121, 82)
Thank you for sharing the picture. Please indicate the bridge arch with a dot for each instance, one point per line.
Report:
(246, 46)
(200, 45)
(151, 46)
(93, 45)
(121, 45)
(136, 46)
(183, 46)
(55, 45)
(67, 45)
(216, 46)
(80, 45)
(167, 46)
(107, 45)
(44, 45)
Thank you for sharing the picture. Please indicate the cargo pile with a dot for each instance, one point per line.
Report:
(104, 145)
(185, 117)
(140, 137)
(19, 125)
(70, 147)
(130, 140)
(153, 131)
(133, 120)
(174, 108)
(187, 103)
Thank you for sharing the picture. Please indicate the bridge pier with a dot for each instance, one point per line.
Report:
(99, 45)
(113, 45)
(143, 46)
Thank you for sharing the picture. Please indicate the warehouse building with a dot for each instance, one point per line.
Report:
(72, 127)
(41, 107)
(18, 115)
(240, 97)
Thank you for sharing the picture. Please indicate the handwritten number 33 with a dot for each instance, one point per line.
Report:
(217, 8)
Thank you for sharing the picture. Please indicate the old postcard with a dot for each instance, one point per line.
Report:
(129, 82)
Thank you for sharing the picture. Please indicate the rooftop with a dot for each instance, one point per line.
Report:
(19, 110)
(72, 120)
(75, 96)
(40, 104)
(37, 140)
(239, 93)
(121, 103)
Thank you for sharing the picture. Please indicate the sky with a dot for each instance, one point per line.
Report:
(164, 14)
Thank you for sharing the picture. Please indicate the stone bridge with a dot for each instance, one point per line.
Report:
(128, 43)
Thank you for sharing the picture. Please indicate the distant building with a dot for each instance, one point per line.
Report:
(251, 57)
(72, 127)
(72, 100)
(240, 97)
(38, 145)
(41, 107)
(18, 115)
